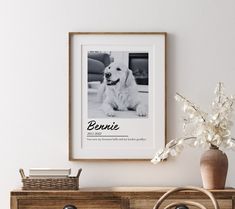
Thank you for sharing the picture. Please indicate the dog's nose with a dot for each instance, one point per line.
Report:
(108, 75)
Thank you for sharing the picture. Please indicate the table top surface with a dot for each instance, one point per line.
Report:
(116, 190)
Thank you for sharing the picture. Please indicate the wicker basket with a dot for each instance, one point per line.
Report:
(66, 183)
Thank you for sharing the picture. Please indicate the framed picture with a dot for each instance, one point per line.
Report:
(116, 95)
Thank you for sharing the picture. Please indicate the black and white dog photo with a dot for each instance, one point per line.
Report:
(121, 91)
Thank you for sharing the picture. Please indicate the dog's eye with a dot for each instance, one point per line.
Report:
(118, 69)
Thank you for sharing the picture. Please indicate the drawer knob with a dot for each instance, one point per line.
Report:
(69, 207)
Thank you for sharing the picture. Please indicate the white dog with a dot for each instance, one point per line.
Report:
(119, 91)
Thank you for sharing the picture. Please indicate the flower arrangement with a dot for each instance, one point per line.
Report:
(203, 129)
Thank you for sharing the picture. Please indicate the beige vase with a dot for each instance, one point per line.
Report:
(214, 167)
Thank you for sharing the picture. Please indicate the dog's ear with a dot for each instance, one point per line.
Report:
(129, 78)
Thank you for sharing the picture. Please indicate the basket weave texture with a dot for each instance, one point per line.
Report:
(48, 183)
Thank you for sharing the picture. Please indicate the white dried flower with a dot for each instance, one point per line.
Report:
(203, 129)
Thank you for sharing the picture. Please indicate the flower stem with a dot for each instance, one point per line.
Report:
(192, 105)
(176, 142)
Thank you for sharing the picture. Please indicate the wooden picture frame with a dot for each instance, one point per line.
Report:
(101, 61)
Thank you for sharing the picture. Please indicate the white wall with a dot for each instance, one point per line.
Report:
(33, 80)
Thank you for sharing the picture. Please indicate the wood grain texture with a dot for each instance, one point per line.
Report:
(113, 197)
(233, 204)
(60, 203)
(14, 202)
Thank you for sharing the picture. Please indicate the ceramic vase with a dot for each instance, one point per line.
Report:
(214, 167)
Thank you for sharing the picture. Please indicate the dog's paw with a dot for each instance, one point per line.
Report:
(141, 110)
(108, 110)
(110, 113)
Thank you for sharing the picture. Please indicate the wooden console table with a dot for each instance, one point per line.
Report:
(115, 198)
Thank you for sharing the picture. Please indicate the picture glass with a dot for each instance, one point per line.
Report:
(117, 96)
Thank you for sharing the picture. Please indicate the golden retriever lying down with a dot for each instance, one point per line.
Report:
(119, 91)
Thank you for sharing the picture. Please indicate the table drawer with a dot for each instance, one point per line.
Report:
(149, 203)
(59, 204)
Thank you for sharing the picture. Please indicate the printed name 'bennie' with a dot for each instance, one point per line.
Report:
(92, 125)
